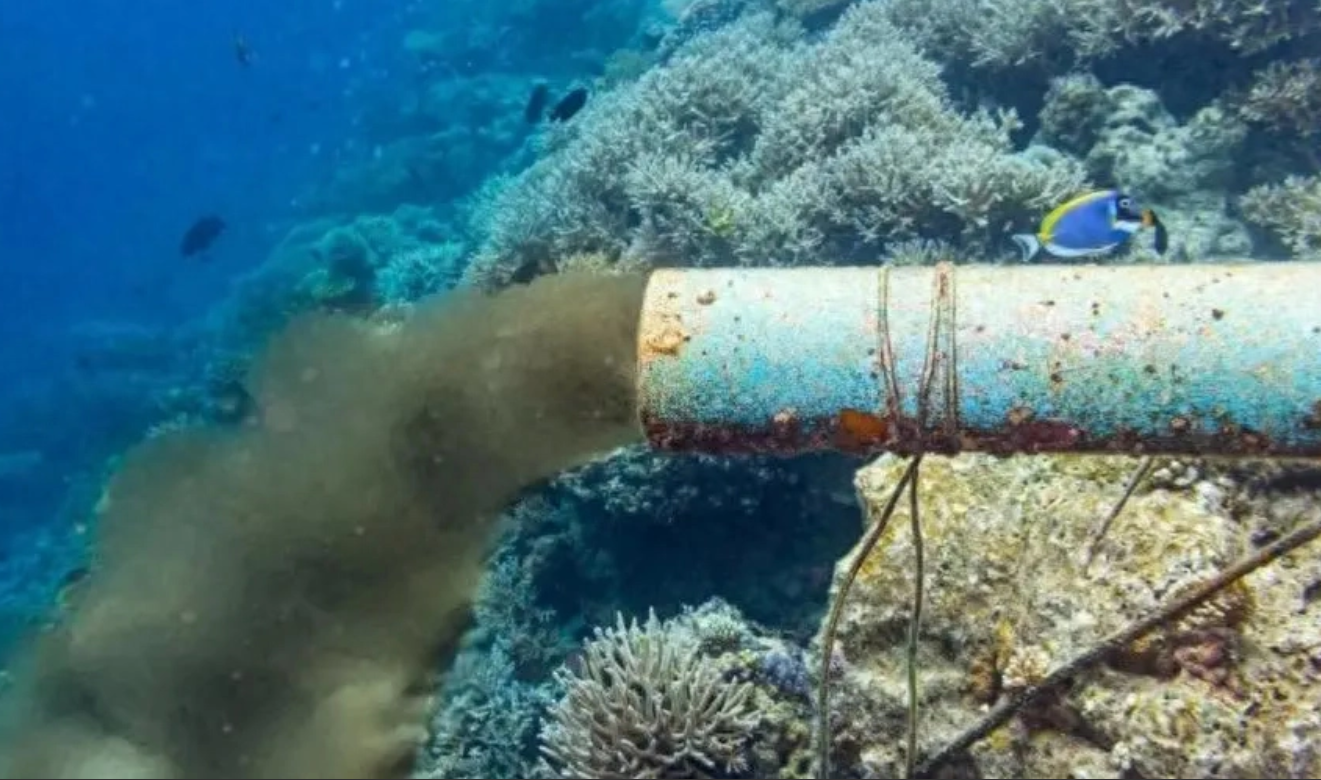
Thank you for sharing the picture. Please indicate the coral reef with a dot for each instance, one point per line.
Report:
(617, 536)
(702, 694)
(1127, 136)
(365, 265)
(1286, 98)
(1291, 210)
(640, 510)
(646, 703)
(488, 721)
(808, 10)
(728, 698)
(756, 142)
(753, 145)
(379, 260)
(1003, 33)
(1231, 691)
(345, 264)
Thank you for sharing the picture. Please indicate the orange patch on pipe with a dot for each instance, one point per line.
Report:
(861, 430)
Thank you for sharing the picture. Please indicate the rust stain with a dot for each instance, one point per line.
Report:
(1023, 432)
(785, 435)
(859, 431)
(1026, 436)
(1046, 435)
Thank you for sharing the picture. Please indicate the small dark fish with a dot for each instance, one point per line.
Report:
(569, 105)
(242, 51)
(201, 235)
(536, 103)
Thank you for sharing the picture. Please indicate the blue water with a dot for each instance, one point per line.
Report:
(121, 126)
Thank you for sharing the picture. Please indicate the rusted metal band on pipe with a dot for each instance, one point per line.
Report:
(1218, 359)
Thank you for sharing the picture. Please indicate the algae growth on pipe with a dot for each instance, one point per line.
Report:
(1220, 359)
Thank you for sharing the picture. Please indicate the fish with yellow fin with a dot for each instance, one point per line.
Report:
(1094, 223)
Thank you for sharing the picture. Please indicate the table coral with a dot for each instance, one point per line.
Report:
(1231, 690)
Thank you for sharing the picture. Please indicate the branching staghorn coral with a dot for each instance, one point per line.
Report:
(1291, 209)
(1286, 97)
(1005, 33)
(699, 108)
(486, 718)
(648, 703)
(752, 145)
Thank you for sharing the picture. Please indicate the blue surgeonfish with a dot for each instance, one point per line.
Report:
(1094, 223)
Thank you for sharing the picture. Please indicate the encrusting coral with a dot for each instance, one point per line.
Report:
(1232, 690)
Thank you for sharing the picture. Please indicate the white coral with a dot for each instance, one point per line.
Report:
(754, 147)
(646, 703)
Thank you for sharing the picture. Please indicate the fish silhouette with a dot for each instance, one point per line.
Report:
(569, 105)
(536, 103)
(201, 235)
